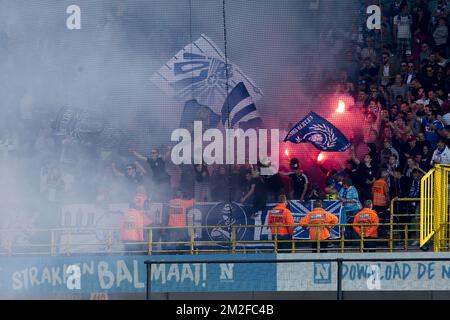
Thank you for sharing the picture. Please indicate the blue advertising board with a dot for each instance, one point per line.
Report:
(40, 276)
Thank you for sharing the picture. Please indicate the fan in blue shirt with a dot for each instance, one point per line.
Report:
(432, 127)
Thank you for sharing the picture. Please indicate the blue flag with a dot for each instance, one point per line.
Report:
(319, 132)
(194, 111)
(239, 107)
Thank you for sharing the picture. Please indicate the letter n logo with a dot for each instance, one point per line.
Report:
(226, 271)
(322, 272)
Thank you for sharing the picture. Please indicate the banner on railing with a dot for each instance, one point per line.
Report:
(96, 229)
(223, 216)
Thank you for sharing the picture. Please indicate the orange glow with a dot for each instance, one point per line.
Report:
(286, 152)
(320, 157)
(341, 106)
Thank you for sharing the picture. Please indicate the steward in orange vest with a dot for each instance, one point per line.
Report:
(176, 224)
(133, 223)
(319, 222)
(367, 216)
(281, 223)
(380, 192)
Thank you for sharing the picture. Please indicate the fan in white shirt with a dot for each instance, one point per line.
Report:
(441, 155)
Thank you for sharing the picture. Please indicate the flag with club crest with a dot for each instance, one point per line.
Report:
(198, 72)
(319, 132)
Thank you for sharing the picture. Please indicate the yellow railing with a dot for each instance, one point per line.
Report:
(159, 241)
(404, 222)
(434, 208)
(427, 207)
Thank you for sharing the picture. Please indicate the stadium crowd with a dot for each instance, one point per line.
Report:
(399, 79)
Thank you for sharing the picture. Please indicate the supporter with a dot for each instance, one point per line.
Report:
(441, 155)
(387, 152)
(440, 36)
(319, 222)
(391, 165)
(281, 224)
(411, 165)
(371, 128)
(387, 70)
(274, 186)
(220, 185)
(399, 187)
(315, 193)
(377, 97)
(420, 19)
(129, 180)
(201, 183)
(424, 52)
(365, 173)
(410, 74)
(257, 193)
(433, 98)
(425, 162)
(402, 29)
(412, 149)
(187, 180)
(348, 195)
(432, 125)
(161, 179)
(427, 79)
(397, 89)
(334, 186)
(299, 181)
(421, 98)
(349, 169)
(244, 188)
(412, 207)
(421, 141)
(368, 71)
(413, 123)
(441, 11)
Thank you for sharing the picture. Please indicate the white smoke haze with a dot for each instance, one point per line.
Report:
(105, 67)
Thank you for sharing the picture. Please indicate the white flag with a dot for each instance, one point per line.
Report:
(198, 72)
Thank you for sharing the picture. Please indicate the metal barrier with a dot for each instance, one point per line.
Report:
(434, 208)
(338, 261)
(159, 241)
(405, 222)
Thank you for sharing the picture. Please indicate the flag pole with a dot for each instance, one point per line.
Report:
(229, 178)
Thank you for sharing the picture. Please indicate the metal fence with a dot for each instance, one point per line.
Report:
(394, 236)
(434, 208)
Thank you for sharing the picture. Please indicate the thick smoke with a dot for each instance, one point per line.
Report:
(288, 48)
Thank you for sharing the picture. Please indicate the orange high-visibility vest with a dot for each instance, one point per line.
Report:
(177, 212)
(380, 190)
(133, 224)
(323, 219)
(279, 217)
(366, 216)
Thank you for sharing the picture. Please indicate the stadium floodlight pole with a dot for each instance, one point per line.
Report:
(230, 211)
